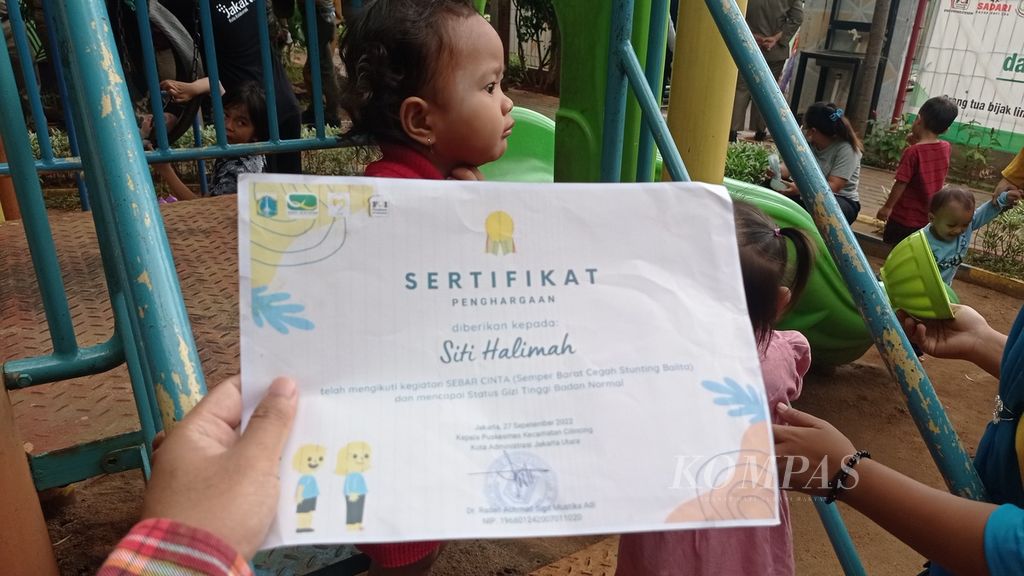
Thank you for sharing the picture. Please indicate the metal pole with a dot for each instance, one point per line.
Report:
(137, 243)
(62, 89)
(908, 61)
(654, 72)
(839, 536)
(30, 200)
(615, 93)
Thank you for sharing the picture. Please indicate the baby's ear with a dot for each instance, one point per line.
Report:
(415, 117)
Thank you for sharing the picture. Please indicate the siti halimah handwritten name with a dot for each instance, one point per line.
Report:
(496, 349)
(476, 280)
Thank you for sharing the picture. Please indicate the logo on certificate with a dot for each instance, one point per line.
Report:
(500, 230)
(266, 206)
(303, 205)
(379, 206)
(339, 203)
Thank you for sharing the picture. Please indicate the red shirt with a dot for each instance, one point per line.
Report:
(401, 161)
(923, 169)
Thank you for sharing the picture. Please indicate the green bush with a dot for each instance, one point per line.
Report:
(884, 145)
(747, 161)
(979, 141)
(58, 143)
(1002, 244)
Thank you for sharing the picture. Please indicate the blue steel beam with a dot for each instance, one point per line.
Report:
(62, 89)
(654, 72)
(28, 75)
(77, 463)
(313, 54)
(156, 104)
(925, 406)
(839, 537)
(33, 210)
(268, 70)
(197, 139)
(652, 115)
(26, 372)
(615, 93)
(137, 244)
(210, 52)
(214, 151)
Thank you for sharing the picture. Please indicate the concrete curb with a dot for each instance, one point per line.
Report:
(873, 246)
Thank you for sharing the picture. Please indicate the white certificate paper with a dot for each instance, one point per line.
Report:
(491, 360)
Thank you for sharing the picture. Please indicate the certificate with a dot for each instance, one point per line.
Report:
(481, 360)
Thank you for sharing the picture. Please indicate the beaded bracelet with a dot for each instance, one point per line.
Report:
(836, 484)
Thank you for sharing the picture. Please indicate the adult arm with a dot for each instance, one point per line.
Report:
(967, 336)
(938, 525)
(794, 19)
(207, 475)
(1012, 175)
(836, 183)
(213, 493)
(161, 546)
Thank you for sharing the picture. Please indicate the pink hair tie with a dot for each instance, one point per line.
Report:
(777, 232)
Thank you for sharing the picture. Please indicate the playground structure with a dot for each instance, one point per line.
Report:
(600, 135)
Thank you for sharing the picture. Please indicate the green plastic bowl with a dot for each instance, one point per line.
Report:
(912, 280)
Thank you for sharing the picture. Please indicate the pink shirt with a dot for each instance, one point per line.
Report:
(764, 550)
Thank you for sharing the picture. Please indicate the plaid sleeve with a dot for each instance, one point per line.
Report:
(158, 546)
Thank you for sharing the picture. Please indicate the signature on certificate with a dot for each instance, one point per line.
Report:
(520, 479)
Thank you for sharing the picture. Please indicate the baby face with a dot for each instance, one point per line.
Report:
(950, 221)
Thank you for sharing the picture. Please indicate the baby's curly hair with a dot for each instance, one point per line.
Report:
(391, 51)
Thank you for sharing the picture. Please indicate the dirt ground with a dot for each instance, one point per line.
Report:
(859, 398)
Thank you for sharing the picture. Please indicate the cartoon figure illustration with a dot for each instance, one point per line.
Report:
(353, 460)
(308, 458)
(500, 229)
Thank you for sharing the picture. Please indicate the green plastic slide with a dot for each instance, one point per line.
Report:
(531, 150)
(825, 314)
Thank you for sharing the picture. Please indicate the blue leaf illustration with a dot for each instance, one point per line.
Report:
(274, 309)
(746, 402)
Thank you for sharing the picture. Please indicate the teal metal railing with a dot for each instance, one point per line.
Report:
(152, 332)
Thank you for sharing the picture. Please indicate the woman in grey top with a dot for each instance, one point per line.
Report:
(838, 151)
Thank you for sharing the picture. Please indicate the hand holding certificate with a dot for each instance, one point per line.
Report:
(499, 360)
